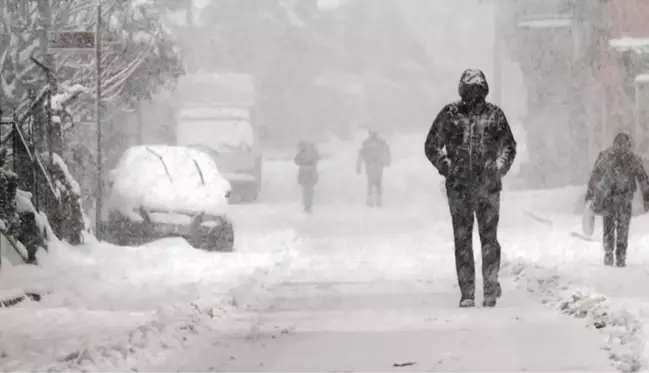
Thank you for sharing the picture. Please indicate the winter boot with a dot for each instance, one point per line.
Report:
(467, 303)
(489, 301)
(608, 259)
(620, 257)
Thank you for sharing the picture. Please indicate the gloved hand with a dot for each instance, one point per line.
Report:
(445, 169)
(496, 167)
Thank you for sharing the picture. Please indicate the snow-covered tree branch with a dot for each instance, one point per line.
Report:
(139, 55)
(134, 42)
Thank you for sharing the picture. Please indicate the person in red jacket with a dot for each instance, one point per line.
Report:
(307, 159)
(472, 146)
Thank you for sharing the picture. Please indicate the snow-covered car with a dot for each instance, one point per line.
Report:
(158, 191)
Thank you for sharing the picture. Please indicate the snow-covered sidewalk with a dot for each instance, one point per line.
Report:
(561, 270)
(104, 306)
(370, 326)
(567, 272)
(370, 288)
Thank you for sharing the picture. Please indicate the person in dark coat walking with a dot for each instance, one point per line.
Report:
(616, 175)
(472, 146)
(375, 154)
(307, 159)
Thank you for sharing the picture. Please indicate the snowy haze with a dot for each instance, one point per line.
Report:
(347, 287)
(331, 85)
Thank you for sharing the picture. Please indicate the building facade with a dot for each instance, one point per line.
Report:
(580, 60)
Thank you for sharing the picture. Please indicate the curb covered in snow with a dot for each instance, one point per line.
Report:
(140, 337)
(622, 322)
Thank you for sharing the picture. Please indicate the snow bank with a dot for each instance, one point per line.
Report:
(567, 272)
(622, 320)
(24, 204)
(106, 308)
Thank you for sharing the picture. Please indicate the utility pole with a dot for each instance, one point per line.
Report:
(497, 56)
(98, 207)
(140, 123)
(189, 19)
(44, 135)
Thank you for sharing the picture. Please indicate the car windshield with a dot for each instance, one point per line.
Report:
(163, 163)
(170, 163)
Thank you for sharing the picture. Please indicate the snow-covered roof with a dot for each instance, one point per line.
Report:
(546, 22)
(640, 45)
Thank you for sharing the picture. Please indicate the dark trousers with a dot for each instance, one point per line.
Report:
(616, 232)
(374, 183)
(464, 203)
(308, 192)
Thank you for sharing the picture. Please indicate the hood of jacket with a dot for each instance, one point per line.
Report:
(473, 79)
(622, 142)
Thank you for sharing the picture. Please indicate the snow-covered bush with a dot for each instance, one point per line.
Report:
(19, 220)
(9, 220)
(69, 193)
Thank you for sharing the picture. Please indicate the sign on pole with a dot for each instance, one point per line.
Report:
(100, 191)
(70, 41)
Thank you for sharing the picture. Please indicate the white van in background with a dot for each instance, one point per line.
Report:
(227, 135)
(213, 115)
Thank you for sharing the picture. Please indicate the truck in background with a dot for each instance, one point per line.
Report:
(214, 114)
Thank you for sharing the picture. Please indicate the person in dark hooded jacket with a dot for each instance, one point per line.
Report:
(307, 159)
(375, 154)
(611, 187)
(472, 146)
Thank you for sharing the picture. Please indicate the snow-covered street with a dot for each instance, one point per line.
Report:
(105, 307)
(351, 303)
(347, 288)
(238, 185)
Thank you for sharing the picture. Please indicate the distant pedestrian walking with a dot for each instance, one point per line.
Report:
(307, 159)
(472, 146)
(375, 155)
(616, 175)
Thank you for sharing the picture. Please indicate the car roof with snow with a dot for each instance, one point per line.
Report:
(168, 178)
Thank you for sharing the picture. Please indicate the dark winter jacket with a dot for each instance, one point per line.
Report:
(615, 177)
(470, 142)
(375, 153)
(307, 159)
